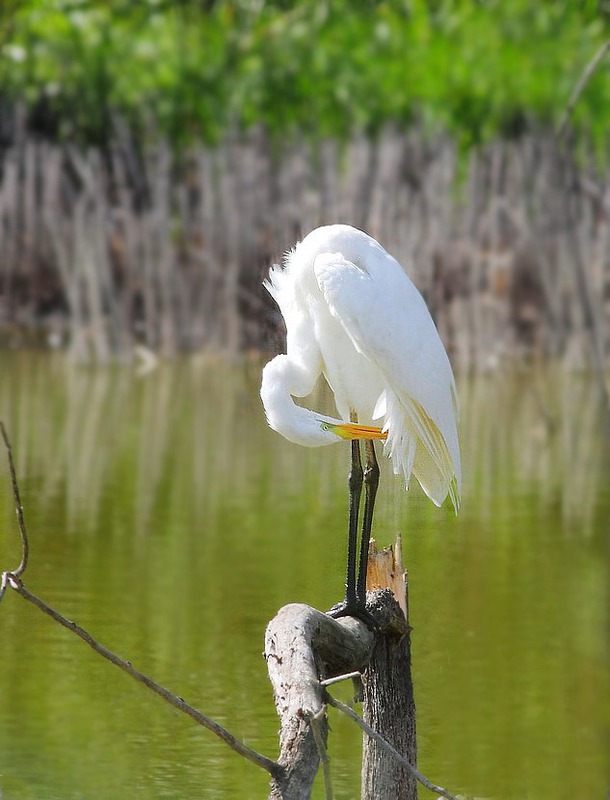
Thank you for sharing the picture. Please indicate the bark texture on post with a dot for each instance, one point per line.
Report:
(388, 703)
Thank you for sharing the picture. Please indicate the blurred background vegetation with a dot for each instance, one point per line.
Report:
(196, 68)
(157, 155)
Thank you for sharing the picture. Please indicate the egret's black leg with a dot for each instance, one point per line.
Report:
(355, 492)
(371, 482)
(354, 482)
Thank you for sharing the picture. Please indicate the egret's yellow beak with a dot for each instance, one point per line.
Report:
(351, 430)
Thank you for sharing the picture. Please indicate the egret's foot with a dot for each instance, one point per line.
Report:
(353, 609)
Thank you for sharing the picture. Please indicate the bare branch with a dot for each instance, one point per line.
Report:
(235, 744)
(584, 79)
(25, 548)
(12, 579)
(340, 678)
(387, 746)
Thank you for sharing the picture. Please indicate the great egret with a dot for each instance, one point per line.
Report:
(353, 315)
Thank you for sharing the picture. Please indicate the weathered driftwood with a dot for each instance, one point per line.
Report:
(303, 646)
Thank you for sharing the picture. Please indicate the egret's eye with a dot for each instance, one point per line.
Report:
(325, 426)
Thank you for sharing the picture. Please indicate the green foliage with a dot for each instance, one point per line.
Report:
(475, 67)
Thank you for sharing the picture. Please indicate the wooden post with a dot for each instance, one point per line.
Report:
(388, 705)
(304, 646)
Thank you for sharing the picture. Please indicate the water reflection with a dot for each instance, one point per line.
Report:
(198, 424)
(166, 518)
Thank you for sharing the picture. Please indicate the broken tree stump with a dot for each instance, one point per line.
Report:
(304, 646)
(388, 705)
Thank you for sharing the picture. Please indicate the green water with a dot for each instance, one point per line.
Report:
(166, 519)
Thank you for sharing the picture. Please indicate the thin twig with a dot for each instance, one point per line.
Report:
(387, 746)
(235, 744)
(339, 678)
(586, 76)
(25, 548)
(13, 580)
(316, 722)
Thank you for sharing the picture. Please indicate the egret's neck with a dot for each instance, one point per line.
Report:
(284, 379)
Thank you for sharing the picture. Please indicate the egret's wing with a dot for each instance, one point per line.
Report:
(389, 324)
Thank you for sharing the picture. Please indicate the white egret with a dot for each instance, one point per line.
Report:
(353, 315)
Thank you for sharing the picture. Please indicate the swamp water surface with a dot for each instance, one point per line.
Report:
(168, 521)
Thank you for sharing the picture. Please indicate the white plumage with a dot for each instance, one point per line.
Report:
(353, 315)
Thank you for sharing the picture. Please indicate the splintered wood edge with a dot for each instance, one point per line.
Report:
(386, 571)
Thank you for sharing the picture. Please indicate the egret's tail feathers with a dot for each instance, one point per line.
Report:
(417, 446)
